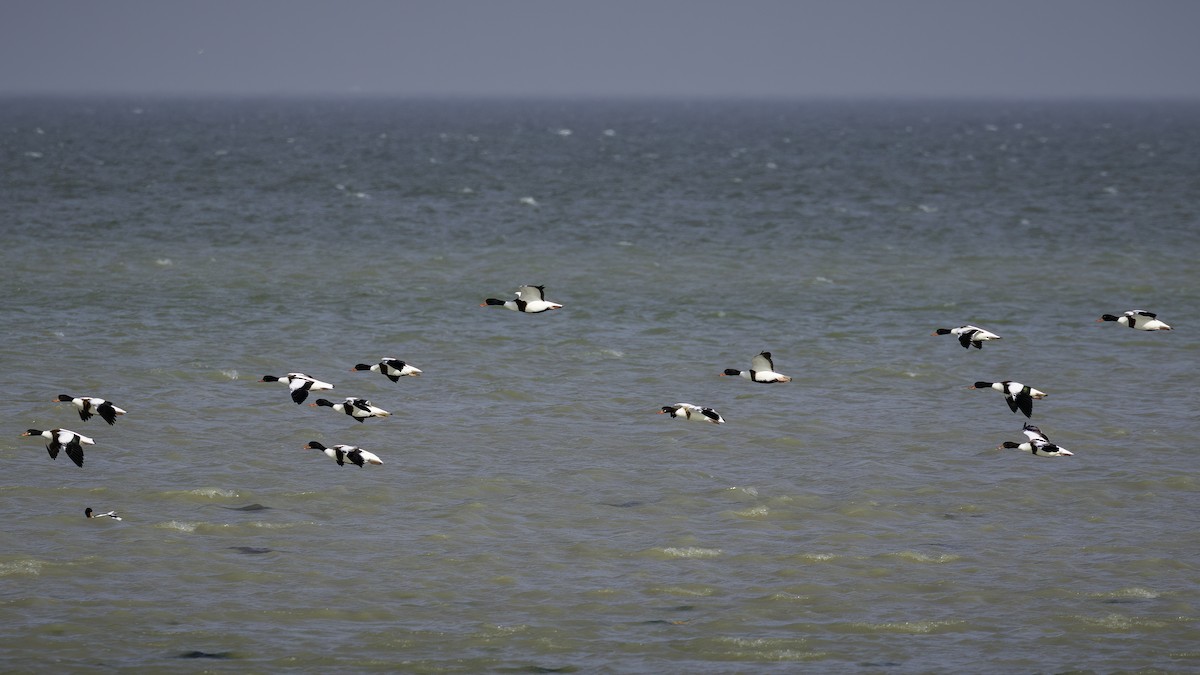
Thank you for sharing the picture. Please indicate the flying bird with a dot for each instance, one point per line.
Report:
(696, 413)
(63, 439)
(530, 299)
(345, 453)
(358, 408)
(300, 384)
(1018, 396)
(969, 336)
(762, 369)
(90, 405)
(1038, 444)
(1137, 318)
(392, 368)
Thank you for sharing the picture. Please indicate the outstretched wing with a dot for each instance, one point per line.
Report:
(531, 293)
(1025, 403)
(1034, 433)
(762, 362)
(75, 451)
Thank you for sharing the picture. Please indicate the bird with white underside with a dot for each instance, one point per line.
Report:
(1139, 319)
(71, 442)
(345, 453)
(762, 369)
(530, 300)
(90, 405)
(391, 368)
(968, 336)
(300, 384)
(358, 408)
(1038, 444)
(695, 413)
(1018, 396)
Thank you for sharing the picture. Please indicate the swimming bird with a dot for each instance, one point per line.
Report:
(300, 384)
(342, 453)
(693, 412)
(92, 514)
(392, 368)
(762, 369)
(530, 299)
(969, 336)
(1038, 444)
(89, 405)
(1137, 318)
(1018, 396)
(63, 439)
(358, 408)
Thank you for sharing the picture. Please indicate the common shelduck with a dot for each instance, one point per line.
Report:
(1018, 396)
(92, 514)
(358, 408)
(63, 439)
(530, 299)
(1038, 444)
(300, 384)
(762, 369)
(688, 411)
(90, 405)
(969, 336)
(342, 453)
(1137, 318)
(392, 368)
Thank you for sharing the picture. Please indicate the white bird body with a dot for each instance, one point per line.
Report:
(391, 368)
(1018, 396)
(92, 514)
(695, 413)
(762, 369)
(969, 336)
(300, 384)
(1139, 319)
(90, 405)
(530, 300)
(71, 442)
(358, 408)
(346, 453)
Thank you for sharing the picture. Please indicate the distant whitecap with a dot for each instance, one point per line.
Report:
(529, 200)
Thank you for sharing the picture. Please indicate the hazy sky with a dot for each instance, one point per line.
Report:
(956, 48)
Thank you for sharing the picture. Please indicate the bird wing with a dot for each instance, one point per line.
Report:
(531, 293)
(1034, 433)
(108, 412)
(1024, 402)
(1141, 312)
(75, 452)
(355, 456)
(762, 362)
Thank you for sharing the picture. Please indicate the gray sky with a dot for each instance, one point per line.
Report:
(803, 48)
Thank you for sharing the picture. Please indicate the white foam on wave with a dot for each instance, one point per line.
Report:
(21, 567)
(915, 627)
(926, 558)
(208, 492)
(230, 373)
(691, 552)
(178, 525)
